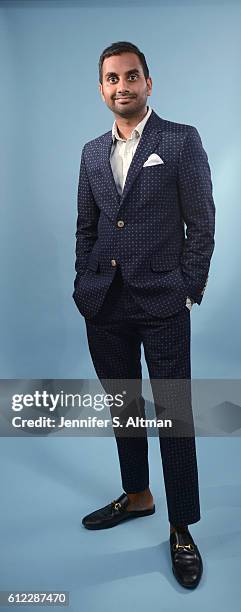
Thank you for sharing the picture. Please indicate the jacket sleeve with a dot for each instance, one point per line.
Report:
(87, 221)
(198, 212)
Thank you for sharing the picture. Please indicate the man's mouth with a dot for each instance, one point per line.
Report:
(123, 101)
(124, 98)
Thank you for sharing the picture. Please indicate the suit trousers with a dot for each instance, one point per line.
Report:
(115, 336)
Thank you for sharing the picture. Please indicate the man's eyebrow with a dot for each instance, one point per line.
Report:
(127, 72)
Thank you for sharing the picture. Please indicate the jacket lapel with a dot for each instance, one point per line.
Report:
(106, 167)
(149, 140)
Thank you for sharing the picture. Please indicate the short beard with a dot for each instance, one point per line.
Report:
(127, 112)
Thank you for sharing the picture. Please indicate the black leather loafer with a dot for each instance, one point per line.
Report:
(187, 563)
(113, 514)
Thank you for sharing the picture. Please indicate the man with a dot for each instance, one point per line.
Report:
(138, 275)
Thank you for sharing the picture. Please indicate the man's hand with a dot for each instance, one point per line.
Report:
(189, 303)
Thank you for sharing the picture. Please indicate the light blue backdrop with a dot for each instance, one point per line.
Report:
(50, 106)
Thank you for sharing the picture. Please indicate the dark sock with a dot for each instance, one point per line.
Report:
(179, 529)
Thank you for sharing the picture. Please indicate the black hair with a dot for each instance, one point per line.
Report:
(122, 47)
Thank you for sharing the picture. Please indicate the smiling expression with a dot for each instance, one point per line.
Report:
(124, 88)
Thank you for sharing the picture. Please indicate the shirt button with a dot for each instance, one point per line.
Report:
(120, 223)
(113, 263)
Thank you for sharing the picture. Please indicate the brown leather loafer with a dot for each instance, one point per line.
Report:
(187, 563)
(113, 514)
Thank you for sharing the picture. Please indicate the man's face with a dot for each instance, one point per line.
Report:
(124, 88)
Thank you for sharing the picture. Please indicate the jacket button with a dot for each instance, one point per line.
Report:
(113, 263)
(120, 223)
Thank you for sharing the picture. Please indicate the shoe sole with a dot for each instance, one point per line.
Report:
(132, 514)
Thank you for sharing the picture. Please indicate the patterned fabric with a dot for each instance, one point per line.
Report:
(142, 231)
(123, 151)
(115, 336)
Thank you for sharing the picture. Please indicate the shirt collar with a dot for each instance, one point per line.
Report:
(136, 131)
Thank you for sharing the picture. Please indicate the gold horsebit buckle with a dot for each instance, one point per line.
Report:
(183, 546)
(116, 505)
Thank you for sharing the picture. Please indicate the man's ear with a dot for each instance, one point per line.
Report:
(101, 91)
(149, 85)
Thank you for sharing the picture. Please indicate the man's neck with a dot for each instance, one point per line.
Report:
(126, 126)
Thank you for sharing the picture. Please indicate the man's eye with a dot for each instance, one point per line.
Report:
(131, 76)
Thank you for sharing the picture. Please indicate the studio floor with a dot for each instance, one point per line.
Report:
(48, 484)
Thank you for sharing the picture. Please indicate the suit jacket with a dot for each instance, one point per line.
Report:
(143, 229)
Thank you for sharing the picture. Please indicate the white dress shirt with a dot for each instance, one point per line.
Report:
(122, 152)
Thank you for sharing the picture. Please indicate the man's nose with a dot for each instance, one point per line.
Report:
(122, 86)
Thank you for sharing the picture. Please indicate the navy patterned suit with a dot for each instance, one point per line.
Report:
(135, 267)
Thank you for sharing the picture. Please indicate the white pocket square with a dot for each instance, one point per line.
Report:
(152, 160)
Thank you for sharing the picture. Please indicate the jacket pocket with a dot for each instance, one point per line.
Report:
(93, 262)
(163, 263)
